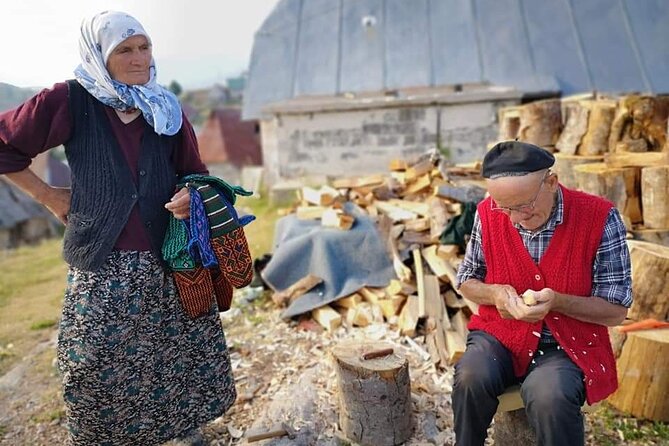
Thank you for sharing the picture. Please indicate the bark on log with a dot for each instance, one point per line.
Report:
(650, 280)
(374, 394)
(620, 185)
(512, 428)
(657, 236)
(655, 197)
(642, 373)
(596, 138)
(541, 122)
(574, 129)
(509, 123)
(564, 167)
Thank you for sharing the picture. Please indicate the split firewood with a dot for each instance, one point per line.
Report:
(297, 289)
(324, 196)
(350, 301)
(335, 218)
(327, 317)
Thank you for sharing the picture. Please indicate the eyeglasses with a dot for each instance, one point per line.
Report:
(523, 208)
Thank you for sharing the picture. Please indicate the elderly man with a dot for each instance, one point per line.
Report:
(565, 250)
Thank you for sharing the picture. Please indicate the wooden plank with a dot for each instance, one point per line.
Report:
(310, 212)
(418, 208)
(327, 317)
(440, 267)
(448, 251)
(350, 301)
(334, 218)
(399, 287)
(297, 289)
(419, 170)
(418, 269)
(418, 225)
(372, 295)
(391, 305)
(395, 213)
(641, 159)
(421, 238)
(456, 346)
(409, 316)
(397, 165)
(421, 184)
(358, 182)
(453, 301)
(324, 196)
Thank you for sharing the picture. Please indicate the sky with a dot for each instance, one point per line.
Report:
(195, 42)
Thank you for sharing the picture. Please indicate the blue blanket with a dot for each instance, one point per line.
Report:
(345, 260)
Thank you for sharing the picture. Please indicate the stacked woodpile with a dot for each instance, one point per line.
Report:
(411, 204)
(613, 147)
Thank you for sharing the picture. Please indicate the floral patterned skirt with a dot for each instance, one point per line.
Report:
(136, 369)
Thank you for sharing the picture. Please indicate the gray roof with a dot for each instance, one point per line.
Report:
(17, 207)
(330, 47)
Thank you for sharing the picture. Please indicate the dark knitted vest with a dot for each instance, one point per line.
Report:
(103, 190)
(566, 267)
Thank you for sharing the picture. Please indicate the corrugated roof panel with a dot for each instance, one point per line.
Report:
(649, 25)
(554, 44)
(362, 54)
(455, 52)
(504, 43)
(371, 45)
(407, 44)
(317, 63)
(272, 76)
(606, 42)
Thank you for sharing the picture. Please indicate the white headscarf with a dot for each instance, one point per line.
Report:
(102, 33)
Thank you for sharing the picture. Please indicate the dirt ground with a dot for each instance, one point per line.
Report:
(283, 373)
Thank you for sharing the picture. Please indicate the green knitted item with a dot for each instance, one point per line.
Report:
(196, 284)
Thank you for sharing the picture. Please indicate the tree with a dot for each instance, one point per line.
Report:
(175, 88)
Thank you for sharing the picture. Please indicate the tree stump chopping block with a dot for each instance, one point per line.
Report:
(512, 428)
(374, 394)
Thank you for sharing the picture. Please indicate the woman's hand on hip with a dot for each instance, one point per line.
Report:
(57, 200)
(179, 204)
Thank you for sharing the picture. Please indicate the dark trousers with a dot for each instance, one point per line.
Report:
(552, 390)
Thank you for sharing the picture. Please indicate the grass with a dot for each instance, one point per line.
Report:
(43, 325)
(259, 233)
(611, 427)
(31, 291)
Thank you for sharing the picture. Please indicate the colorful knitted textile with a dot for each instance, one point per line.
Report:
(208, 253)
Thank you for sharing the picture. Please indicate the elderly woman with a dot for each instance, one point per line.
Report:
(136, 369)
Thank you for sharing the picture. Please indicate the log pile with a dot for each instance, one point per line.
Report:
(411, 204)
(613, 147)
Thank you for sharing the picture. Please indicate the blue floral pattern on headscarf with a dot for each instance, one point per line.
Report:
(99, 36)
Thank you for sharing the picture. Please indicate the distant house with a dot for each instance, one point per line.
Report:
(227, 144)
(22, 219)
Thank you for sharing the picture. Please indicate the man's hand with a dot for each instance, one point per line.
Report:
(546, 300)
(501, 296)
(179, 204)
(57, 200)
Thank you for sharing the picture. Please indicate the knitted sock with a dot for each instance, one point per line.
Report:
(222, 290)
(227, 238)
(196, 290)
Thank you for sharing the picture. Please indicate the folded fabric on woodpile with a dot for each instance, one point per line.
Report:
(345, 260)
(208, 253)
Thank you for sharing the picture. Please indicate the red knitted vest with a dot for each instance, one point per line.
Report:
(566, 267)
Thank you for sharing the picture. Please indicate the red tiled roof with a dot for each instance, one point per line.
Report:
(225, 138)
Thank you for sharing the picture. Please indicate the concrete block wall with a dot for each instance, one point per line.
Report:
(359, 142)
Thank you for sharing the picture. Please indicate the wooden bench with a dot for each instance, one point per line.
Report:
(511, 426)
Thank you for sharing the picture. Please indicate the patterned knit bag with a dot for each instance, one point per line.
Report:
(208, 253)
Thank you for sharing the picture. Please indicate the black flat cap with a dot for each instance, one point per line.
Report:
(515, 157)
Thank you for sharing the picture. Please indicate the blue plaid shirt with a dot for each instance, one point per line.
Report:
(611, 271)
